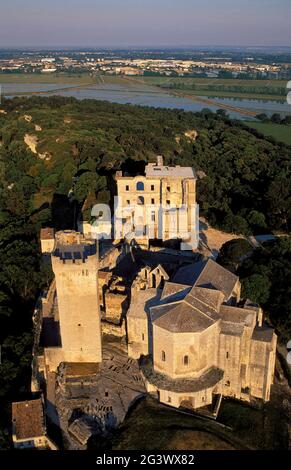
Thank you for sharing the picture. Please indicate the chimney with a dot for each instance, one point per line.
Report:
(160, 160)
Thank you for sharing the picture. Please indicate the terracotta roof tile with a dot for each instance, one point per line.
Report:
(28, 419)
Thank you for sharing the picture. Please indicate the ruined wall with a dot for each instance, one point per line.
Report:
(111, 258)
(112, 329)
(115, 305)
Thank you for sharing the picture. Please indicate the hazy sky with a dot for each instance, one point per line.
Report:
(101, 23)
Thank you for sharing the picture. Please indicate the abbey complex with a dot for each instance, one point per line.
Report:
(124, 318)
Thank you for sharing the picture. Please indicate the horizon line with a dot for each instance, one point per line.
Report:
(147, 47)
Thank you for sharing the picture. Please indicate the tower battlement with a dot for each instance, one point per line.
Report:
(73, 248)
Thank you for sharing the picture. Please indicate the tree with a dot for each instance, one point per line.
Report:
(257, 288)
(233, 252)
(257, 220)
(263, 117)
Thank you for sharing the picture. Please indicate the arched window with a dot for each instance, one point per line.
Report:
(163, 356)
(186, 360)
(140, 186)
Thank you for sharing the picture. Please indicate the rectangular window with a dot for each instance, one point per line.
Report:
(227, 355)
(142, 336)
(186, 360)
(127, 187)
(153, 217)
(168, 202)
(152, 201)
(152, 187)
(169, 400)
(168, 188)
(128, 202)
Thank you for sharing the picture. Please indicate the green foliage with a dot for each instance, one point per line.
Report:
(233, 252)
(257, 288)
(87, 141)
(257, 219)
(265, 274)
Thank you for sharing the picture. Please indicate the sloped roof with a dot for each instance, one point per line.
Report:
(141, 303)
(263, 333)
(233, 329)
(183, 318)
(215, 276)
(210, 297)
(237, 315)
(28, 419)
(174, 291)
(158, 310)
(189, 274)
(202, 307)
(208, 274)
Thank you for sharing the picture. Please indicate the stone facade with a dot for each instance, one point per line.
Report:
(75, 265)
(200, 339)
(147, 205)
(47, 240)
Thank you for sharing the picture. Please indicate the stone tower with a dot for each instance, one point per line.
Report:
(75, 265)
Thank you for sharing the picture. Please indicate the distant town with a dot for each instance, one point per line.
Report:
(249, 63)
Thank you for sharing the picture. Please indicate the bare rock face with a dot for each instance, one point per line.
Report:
(31, 141)
(192, 134)
(93, 402)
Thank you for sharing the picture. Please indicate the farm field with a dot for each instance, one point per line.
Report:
(277, 131)
(216, 87)
(51, 78)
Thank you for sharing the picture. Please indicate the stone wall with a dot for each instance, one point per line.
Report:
(112, 329)
(78, 306)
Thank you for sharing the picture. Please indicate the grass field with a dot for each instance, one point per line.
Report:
(277, 131)
(51, 78)
(203, 87)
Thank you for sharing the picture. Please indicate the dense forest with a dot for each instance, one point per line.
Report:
(265, 274)
(57, 153)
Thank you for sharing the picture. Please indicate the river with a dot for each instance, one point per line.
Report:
(127, 91)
